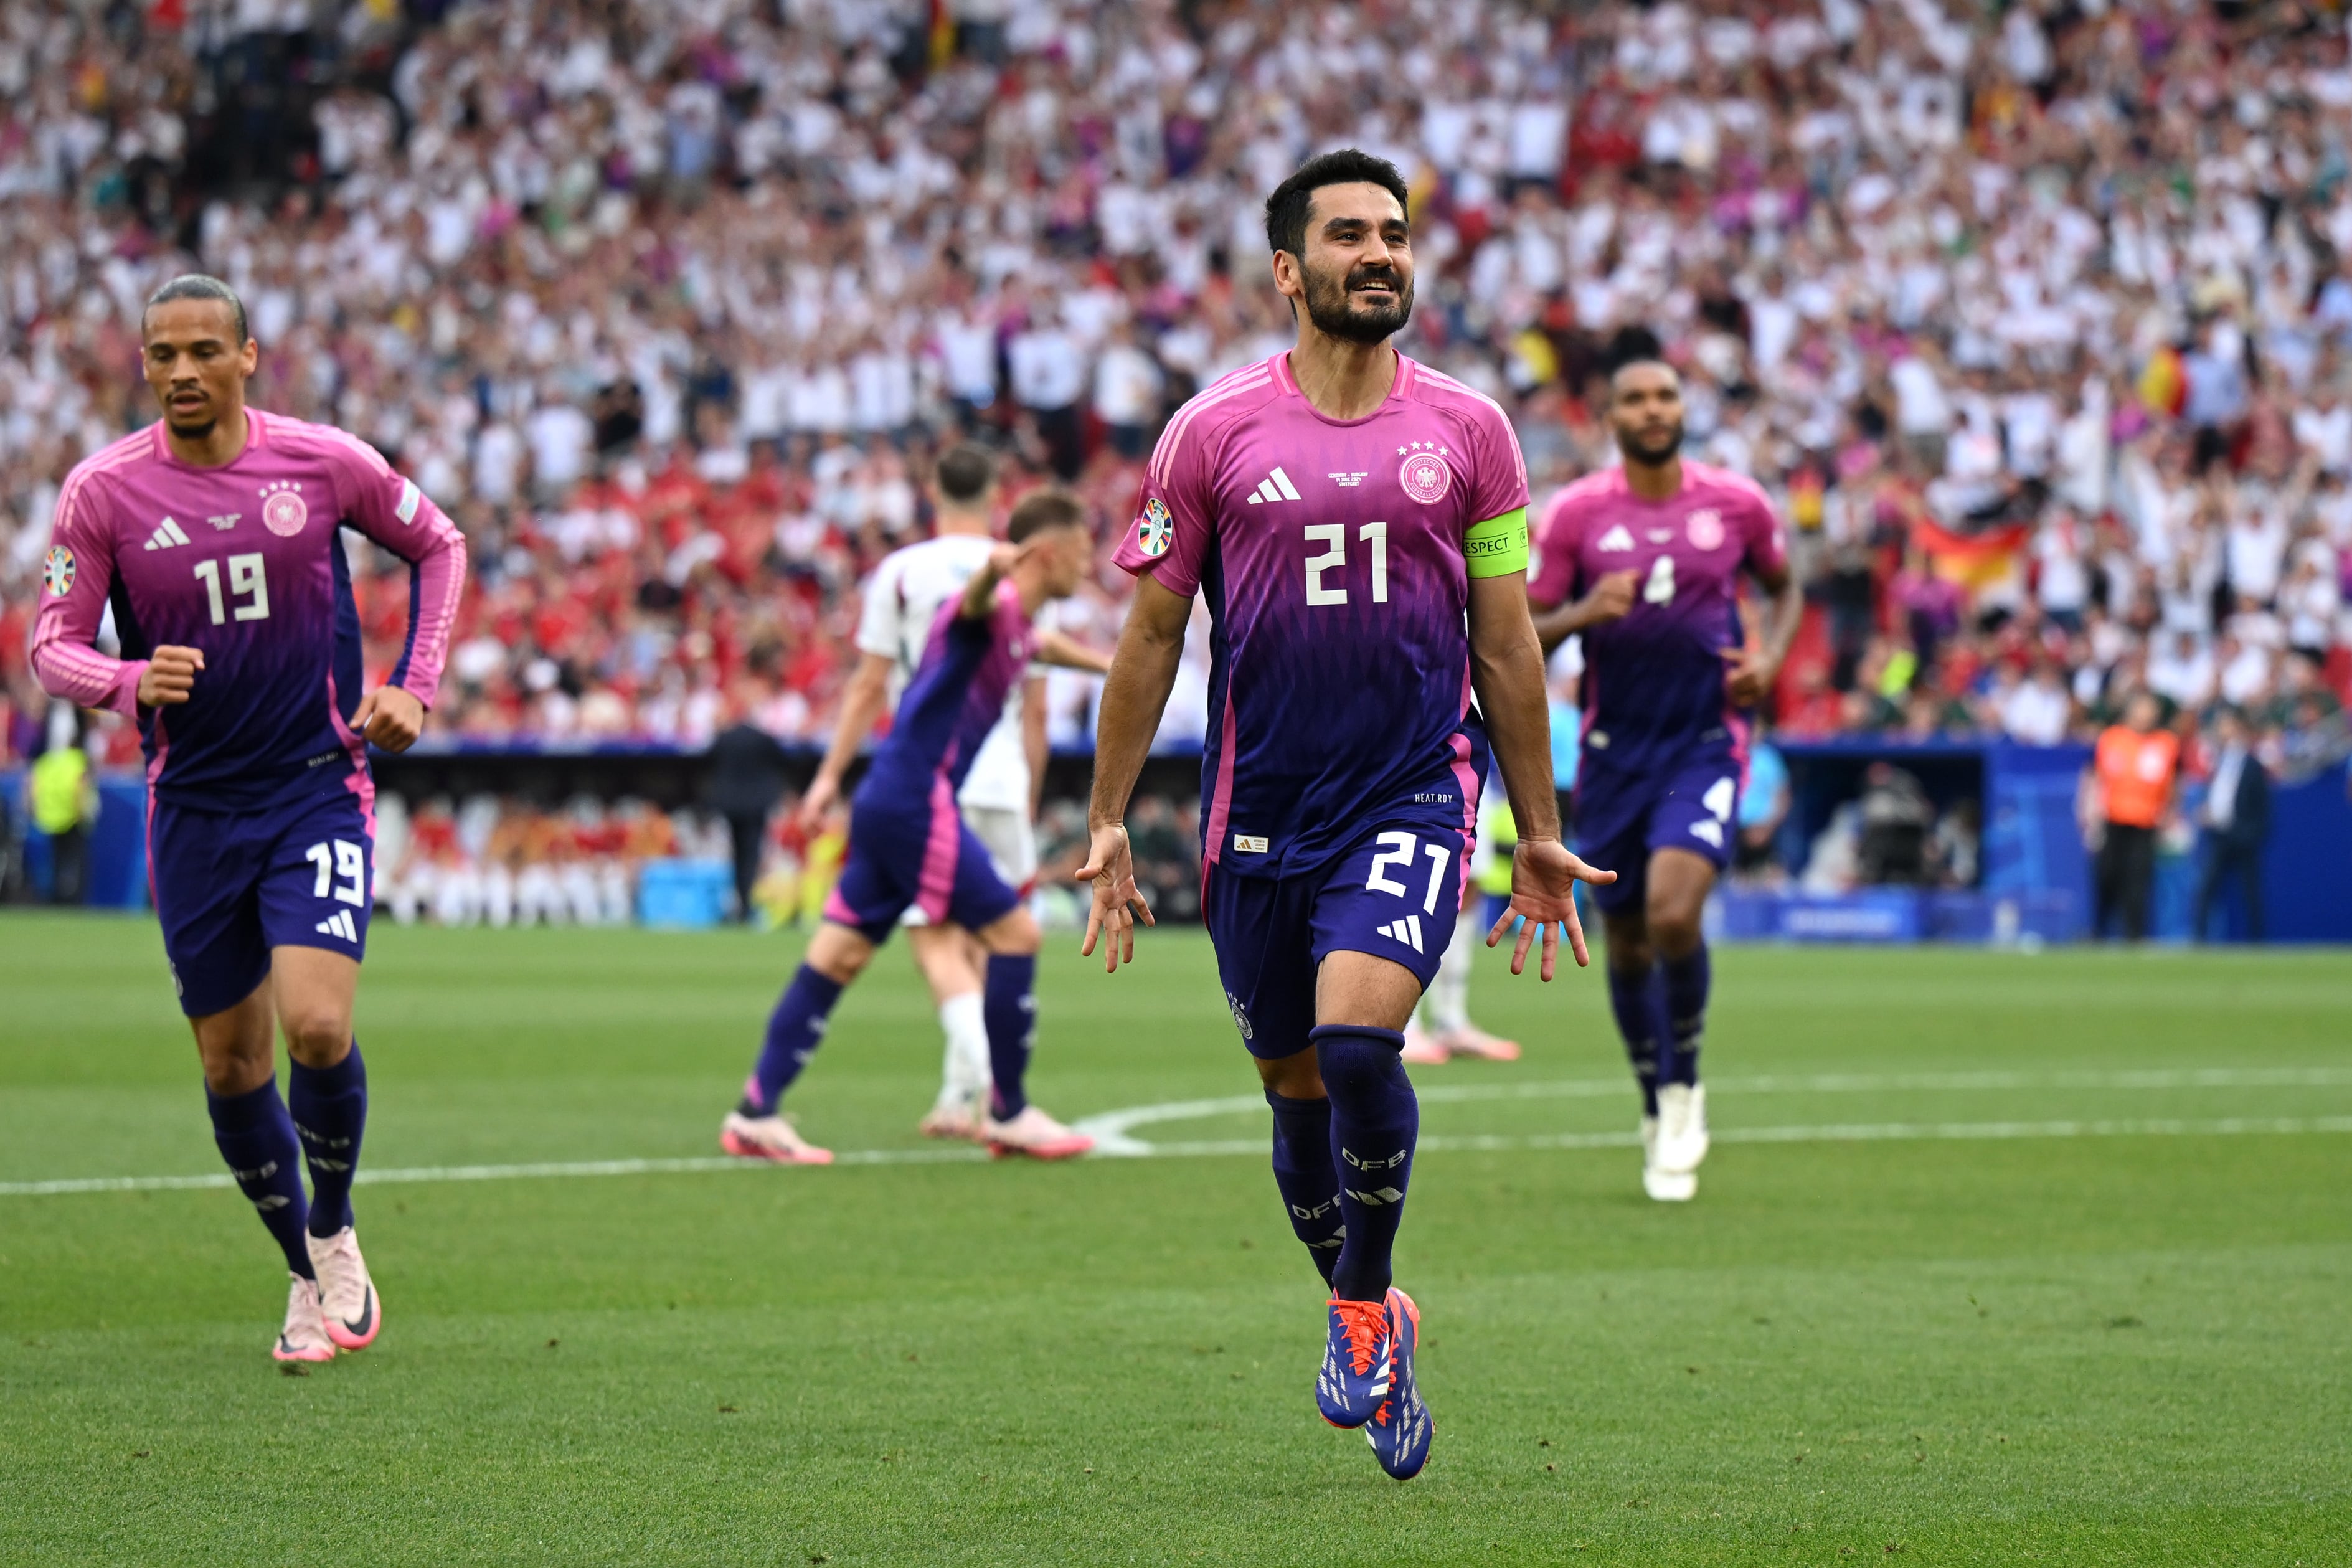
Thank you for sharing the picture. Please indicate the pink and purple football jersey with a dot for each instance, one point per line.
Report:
(1654, 682)
(1335, 557)
(954, 698)
(908, 843)
(243, 562)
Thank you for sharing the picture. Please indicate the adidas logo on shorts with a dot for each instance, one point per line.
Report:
(339, 924)
(1406, 931)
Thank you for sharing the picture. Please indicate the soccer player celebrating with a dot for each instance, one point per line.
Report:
(901, 604)
(909, 847)
(1357, 522)
(216, 536)
(1643, 561)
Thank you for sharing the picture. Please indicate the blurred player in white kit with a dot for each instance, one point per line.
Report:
(902, 600)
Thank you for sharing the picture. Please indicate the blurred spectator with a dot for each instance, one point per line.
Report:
(64, 799)
(1763, 808)
(1897, 818)
(2036, 320)
(2134, 770)
(2236, 820)
(746, 780)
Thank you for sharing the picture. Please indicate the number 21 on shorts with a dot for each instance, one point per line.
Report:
(1397, 850)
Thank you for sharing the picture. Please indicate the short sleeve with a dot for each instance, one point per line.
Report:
(1499, 480)
(1768, 541)
(1552, 575)
(1169, 539)
(878, 612)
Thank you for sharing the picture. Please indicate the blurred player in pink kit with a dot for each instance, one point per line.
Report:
(1357, 523)
(1643, 561)
(215, 536)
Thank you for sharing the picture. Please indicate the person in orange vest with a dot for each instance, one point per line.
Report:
(2135, 765)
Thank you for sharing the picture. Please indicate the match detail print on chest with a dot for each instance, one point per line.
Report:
(226, 546)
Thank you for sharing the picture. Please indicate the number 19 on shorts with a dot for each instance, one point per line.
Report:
(343, 871)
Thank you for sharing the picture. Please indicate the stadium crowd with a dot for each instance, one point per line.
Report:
(2036, 318)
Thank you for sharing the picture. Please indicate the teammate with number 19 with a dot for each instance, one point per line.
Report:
(1643, 561)
(1357, 524)
(216, 536)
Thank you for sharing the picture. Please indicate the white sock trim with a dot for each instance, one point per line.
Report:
(964, 1068)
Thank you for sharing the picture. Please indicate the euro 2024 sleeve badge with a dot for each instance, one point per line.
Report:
(57, 571)
(1155, 529)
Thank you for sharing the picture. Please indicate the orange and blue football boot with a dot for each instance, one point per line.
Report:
(1400, 1430)
(1354, 1378)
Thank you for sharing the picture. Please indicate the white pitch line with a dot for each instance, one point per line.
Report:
(1115, 1141)
(1112, 1130)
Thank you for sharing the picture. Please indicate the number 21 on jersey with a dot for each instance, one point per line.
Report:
(1335, 559)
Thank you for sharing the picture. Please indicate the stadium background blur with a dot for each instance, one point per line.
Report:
(2034, 319)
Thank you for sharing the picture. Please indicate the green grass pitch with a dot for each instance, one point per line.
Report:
(2120, 1332)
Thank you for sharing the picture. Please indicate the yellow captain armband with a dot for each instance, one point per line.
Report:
(1498, 546)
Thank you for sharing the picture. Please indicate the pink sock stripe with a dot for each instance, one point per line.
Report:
(938, 880)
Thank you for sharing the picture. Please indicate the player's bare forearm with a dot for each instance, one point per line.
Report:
(1067, 652)
(1506, 671)
(861, 704)
(1143, 674)
(1753, 672)
(1609, 601)
(1032, 739)
(979, 601)
(1788, 616)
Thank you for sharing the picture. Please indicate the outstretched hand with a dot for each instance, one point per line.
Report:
(1117, 902)
(1544, 875)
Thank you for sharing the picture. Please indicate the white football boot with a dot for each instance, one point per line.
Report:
(957, 1118)
(1665, 1187)
(346, 1296)
(1683, 1141)
(304, 1337)
(769, 1137)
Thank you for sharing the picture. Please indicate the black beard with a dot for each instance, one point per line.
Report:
(1652, 457)
(192, 432)
(1331, 306)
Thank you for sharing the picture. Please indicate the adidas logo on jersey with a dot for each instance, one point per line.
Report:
(1276, 487)
(1615, 539)
(1406, 931)
(339, 924)
(167, 534)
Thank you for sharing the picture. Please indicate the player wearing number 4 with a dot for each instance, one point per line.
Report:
(216, 536)
(1357, 524)
(1643, 561)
